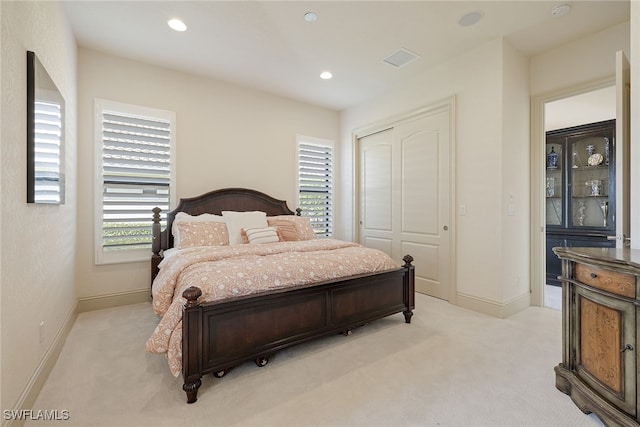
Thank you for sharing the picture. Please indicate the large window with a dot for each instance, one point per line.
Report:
(134, 167)
(315, 183)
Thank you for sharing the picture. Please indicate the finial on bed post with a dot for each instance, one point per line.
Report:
(192, 294)
(409, 287)
(155, 231)
(408, 259)
(298, 212)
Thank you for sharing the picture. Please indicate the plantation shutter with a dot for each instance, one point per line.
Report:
(136, 171)
(315, 174)
(48, 152)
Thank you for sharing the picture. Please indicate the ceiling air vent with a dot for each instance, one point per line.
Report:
(401, 57)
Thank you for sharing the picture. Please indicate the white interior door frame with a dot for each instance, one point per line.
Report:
(447, 104)
(538, 155)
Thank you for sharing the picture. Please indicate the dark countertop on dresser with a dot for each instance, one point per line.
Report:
(629, 257)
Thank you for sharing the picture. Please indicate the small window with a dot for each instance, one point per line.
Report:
(134, 167)
(315, 183)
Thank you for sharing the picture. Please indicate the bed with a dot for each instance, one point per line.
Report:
(205, 336)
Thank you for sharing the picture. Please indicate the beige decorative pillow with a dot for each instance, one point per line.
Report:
(287, 229)
(261, 235)
(305, 230)
(182, 217)
(302, 226)
(201, 233)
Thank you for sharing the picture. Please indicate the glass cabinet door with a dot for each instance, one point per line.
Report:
(554, 184)
(590, 181)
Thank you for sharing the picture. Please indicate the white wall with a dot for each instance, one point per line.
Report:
(587, 59)
(587, 62)
(227, 136)
(492, 86)
(482, 97)
(590, 107)
(514, 260)
(634, 59)
(1, 139)
(38, 241)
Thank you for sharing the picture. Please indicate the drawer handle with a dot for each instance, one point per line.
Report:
(594, 275)
(627, 347)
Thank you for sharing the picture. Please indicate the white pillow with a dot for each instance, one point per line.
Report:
(185, 217)
(236, 221)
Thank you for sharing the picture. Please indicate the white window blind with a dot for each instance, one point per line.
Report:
(136, 176)
(315, 185)
(48, 152)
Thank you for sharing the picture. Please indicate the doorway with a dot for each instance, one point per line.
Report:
(621, 82)
(595, 106)
(587, 103)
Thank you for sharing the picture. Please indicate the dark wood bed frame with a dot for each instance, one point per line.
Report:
(219, 335)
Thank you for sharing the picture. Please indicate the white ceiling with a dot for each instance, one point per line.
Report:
(268, 45)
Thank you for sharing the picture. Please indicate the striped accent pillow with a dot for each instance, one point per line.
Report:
(297, 228)
(262, 235)
(286, 229)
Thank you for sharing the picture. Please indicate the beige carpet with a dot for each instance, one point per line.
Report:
(450, 367)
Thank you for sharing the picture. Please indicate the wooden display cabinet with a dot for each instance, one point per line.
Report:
(580, 190)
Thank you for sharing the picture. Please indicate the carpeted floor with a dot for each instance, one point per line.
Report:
(450, 367)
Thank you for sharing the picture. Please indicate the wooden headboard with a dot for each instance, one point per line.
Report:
(213, 202)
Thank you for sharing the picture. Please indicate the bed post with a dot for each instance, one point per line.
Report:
(409, 287)
(155, 242)
(191, 343)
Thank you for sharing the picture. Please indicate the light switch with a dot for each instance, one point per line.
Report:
(511, 206)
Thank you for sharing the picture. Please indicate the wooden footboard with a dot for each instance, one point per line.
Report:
(217, 336)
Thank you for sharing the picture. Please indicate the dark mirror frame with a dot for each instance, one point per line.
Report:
(45, 136)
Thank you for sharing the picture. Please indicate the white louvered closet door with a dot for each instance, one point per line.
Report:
(404, 198)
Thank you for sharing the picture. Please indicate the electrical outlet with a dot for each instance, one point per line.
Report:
(42, 332)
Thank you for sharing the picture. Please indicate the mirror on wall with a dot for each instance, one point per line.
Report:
(45, 136)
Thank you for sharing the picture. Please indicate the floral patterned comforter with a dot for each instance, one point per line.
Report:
(223, 272)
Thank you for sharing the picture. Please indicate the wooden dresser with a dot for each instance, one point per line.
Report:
(600, 334)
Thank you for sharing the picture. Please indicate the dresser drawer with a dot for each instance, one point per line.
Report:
(610, 281)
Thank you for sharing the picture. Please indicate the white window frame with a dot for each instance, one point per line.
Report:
(306, 140)
(100, 107)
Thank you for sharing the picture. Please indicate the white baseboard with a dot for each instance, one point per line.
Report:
(113, 300)
(28, 397)
(493, 308)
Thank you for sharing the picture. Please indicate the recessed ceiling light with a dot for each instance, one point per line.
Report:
(177, 25)
(310, 17)
(471, 18)
(560, 10)
(326, 75)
